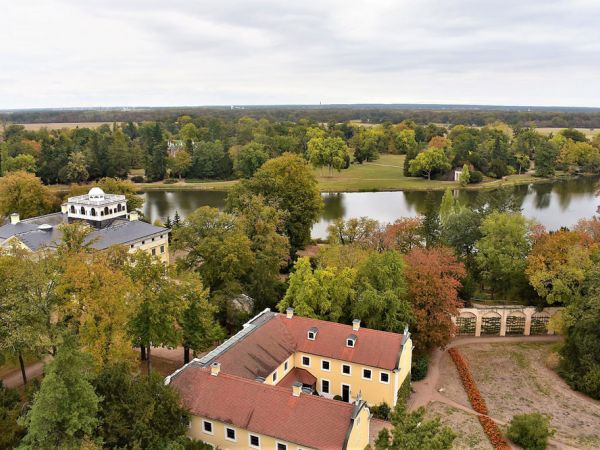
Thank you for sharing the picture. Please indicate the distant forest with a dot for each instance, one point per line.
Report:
(560, 117)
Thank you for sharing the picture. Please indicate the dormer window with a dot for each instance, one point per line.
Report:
(351, 341)
(312, 333)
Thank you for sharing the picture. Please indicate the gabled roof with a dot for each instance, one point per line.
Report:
(270, 338)
(306, 420)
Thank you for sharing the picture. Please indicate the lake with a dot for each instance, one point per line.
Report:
(557, 204)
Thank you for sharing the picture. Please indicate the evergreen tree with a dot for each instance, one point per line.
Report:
(156, 154)
(63, 414)
(431, 227)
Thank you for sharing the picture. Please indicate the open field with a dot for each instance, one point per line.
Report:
(589, 132)
(470, 435)
(513, 379)
(60, 126)
(385, 174)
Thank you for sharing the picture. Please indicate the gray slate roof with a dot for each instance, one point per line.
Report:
(120, 232)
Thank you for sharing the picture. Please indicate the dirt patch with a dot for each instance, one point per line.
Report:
(469, 434)
(513, 379)
(449, 383)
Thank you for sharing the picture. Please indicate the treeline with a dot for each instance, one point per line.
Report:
(210, 148)
(422, 114)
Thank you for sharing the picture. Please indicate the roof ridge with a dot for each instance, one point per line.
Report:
(365, 329)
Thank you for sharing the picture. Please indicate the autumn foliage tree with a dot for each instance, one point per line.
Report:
(433, 277)
(23, 193)
(557, 265)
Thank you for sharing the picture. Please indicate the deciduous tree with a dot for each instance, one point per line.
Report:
(428, 161)
(433, 277)
(288, 184)
(502, 251)
(63, 414)
(24, 193)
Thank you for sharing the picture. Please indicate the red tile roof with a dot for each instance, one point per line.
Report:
(276, 337)
(307, 420)
(372, 348)
(297, 374)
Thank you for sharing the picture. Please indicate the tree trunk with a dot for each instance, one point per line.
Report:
(429, 176)
(22, 364)
(143, 352)
(186, 354)
(148, 365)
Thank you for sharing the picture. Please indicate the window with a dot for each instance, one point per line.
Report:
(207, 427)
(346, 369)
(281, 446)
(306, 361)
(131, 246)
(311, 335)
(162, 248)
(230, 434)
(325, 386)
(367, 374)
(285, 366)
(384, 377)
(274, 377)
(161, 236)
(325, 365)
(350, 342)
(143, 242)
(152, 239)
(254, 441)
(153, 252)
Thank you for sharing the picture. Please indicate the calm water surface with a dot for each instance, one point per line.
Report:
(554, 205)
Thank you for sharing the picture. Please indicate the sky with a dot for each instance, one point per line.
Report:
(83, 53)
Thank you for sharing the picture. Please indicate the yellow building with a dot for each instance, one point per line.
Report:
(106, 214)
(277, 359)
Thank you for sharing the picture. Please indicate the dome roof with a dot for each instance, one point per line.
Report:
(96, 193)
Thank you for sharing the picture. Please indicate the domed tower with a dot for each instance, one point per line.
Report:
(96, 208)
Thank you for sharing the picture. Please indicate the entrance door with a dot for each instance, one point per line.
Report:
(346, 393)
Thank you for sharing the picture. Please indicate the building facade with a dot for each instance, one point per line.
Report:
(278, 358)
(105, 214)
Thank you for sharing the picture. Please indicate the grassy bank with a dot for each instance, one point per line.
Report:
(385, 174)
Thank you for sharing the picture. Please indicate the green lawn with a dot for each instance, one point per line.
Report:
(385, 174)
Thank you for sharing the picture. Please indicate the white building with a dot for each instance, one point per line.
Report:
(105, 213)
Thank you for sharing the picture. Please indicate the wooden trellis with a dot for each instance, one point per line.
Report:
(515, 325)
(466, 326)
(490, 326)
(539, 325)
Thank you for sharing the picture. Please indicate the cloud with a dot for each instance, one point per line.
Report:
(159, 52)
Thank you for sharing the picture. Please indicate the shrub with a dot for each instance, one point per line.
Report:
(420, 366)
(404, 390)
(170, 181)
(337, 397)
(475, 177)
(530, 431)
(493, 433)
(381, 411)
(469, 384)
(137, 179)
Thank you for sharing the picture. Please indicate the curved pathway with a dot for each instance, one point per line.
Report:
(424, 391)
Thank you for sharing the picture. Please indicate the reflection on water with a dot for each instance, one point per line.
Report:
(554, 205)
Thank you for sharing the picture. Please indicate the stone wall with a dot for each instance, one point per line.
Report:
(503, 320)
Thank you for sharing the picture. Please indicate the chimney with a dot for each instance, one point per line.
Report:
(215, 368)
(64, 208)
(297, 389)
(356, 324)
(289, 313)
(133, 216)
(14, 218)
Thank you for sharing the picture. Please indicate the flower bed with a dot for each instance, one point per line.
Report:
(467, 380)
(493, 433)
